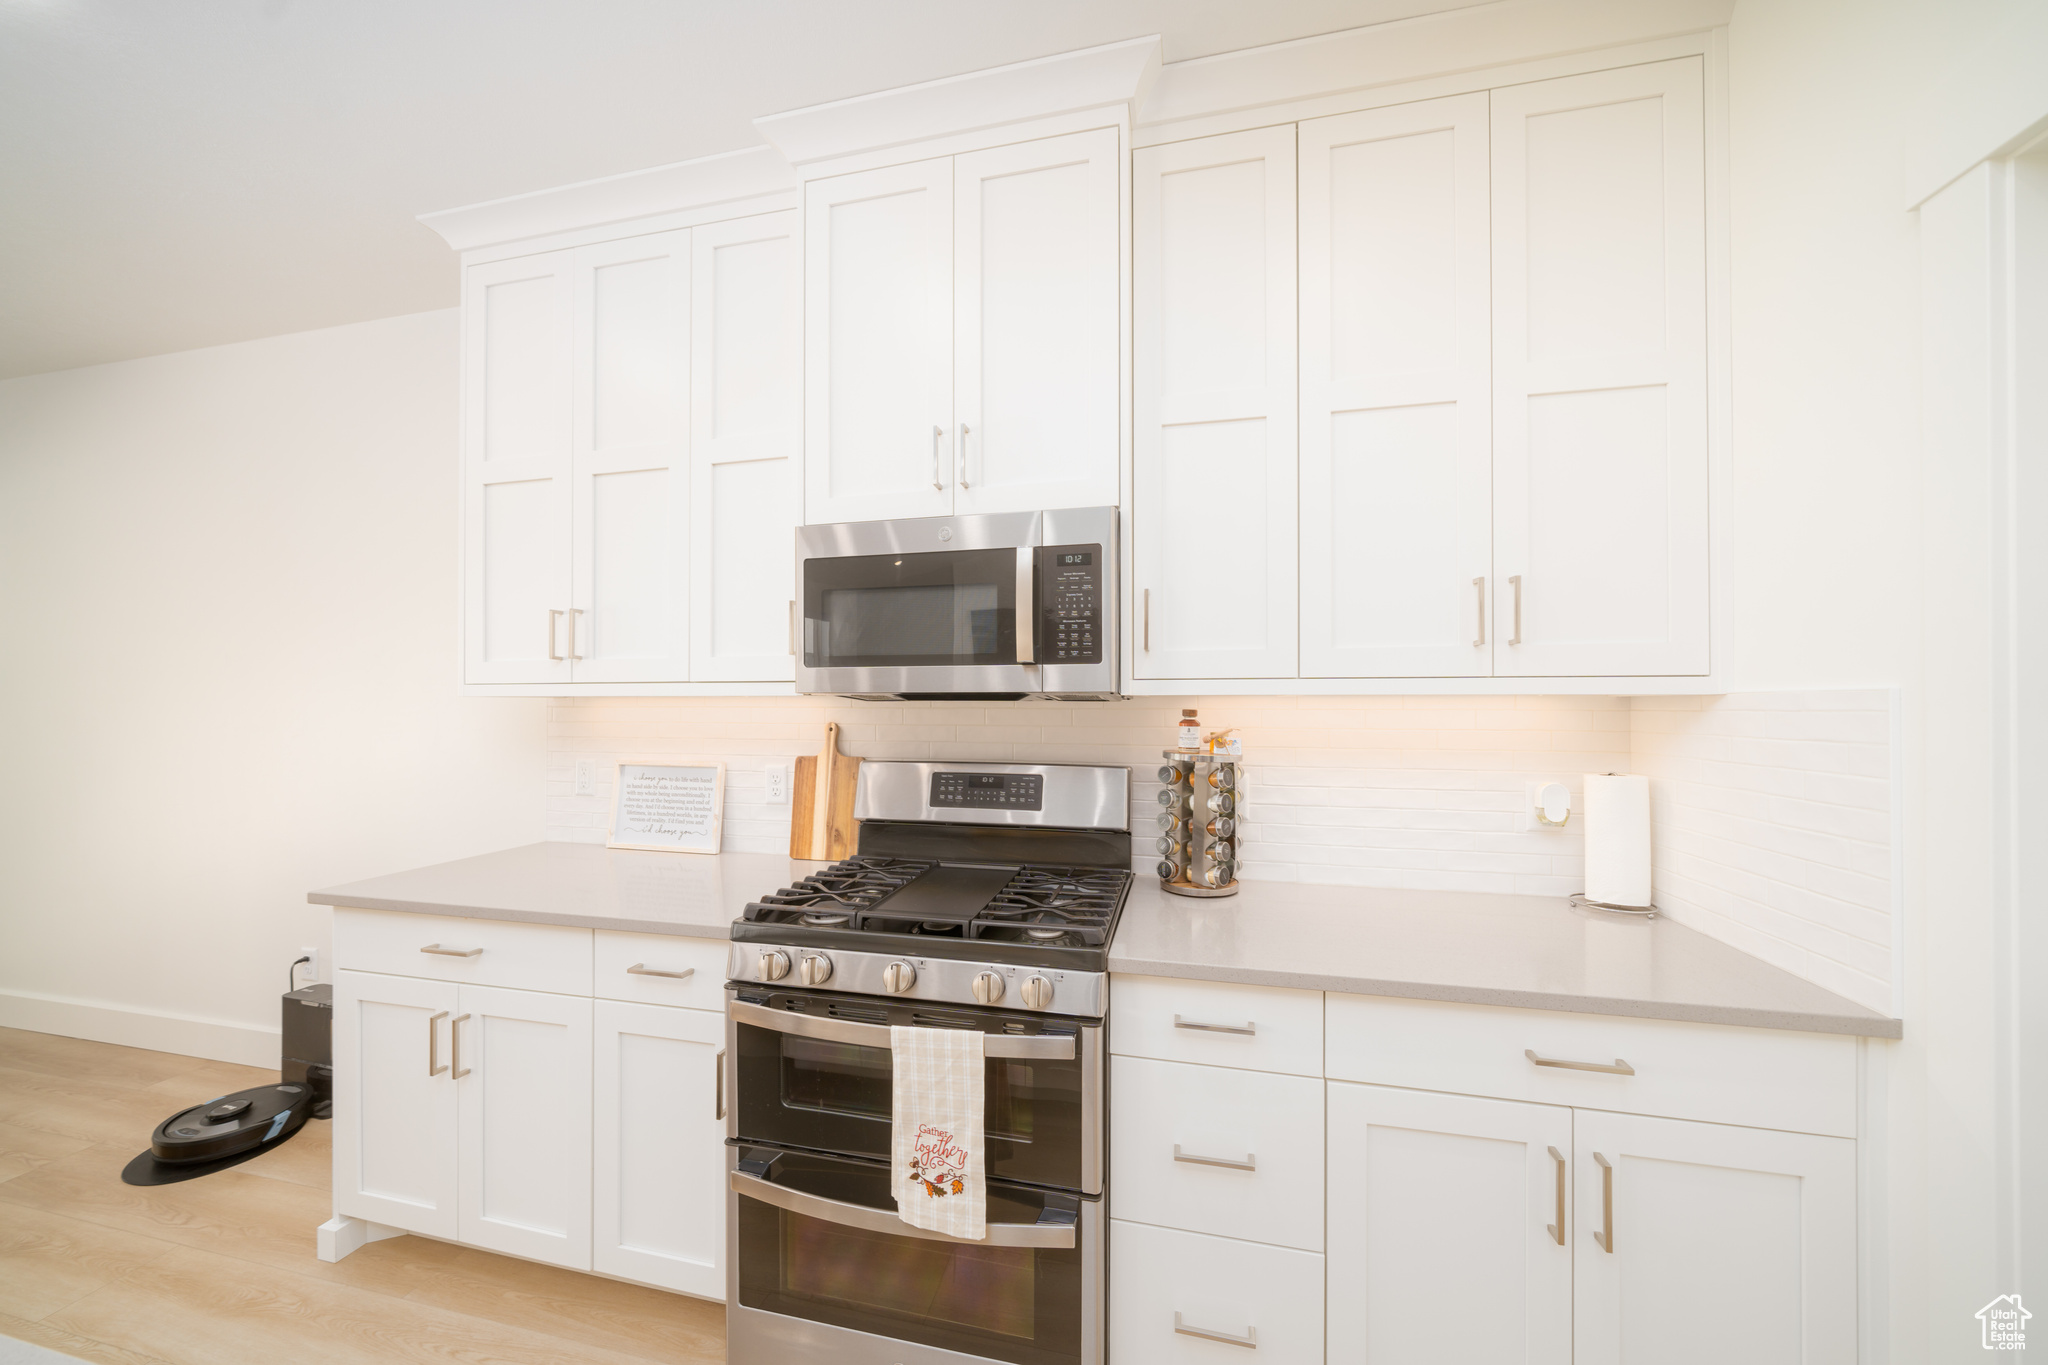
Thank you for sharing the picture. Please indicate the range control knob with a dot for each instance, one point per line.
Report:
(774, 965)
(1036, 992)
(815, 969)
(898, 977)
(988, 988)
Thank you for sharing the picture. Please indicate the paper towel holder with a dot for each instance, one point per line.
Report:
(1578, 901)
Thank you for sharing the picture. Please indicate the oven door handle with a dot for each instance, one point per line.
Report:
(1054, 1235)
(1052, 1047)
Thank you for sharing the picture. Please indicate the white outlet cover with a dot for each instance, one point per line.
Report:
(778, 784)
(586, 777)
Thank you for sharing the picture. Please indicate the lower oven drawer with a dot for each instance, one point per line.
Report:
(820, 1267)
(1183, 1298)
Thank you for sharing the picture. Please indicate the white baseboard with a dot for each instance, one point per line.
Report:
(159, 1031)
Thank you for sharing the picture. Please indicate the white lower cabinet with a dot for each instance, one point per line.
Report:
(1713, 1244)
(1448, 1231)
(394, 1107)
(1184, 1298)
(659, 1138)
(523, 1131)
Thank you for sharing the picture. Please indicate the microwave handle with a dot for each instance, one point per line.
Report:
(1044, 1047)
(1058, 1235)
(1027, 605)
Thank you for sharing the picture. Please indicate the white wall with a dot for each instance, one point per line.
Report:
(227, 674)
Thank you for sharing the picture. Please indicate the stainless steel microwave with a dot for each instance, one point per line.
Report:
(996, 606)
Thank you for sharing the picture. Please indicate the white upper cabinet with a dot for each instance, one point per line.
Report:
(1213, 523)
(518, 393)
(747, 440)
(878, 344)
(1037, 335)
(631, 480)
(1396, 427)
(962, 333)
(1600, 427)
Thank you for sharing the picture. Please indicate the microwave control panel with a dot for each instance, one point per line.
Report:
(1070, 604)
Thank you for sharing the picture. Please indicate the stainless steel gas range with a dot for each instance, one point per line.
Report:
(983, 896)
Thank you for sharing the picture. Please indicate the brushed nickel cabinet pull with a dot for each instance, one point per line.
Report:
(1605, 1237)
(1620, 1067)
(574, 612)
(1556, 1230)
(1250, 1162)
(1480, 585)
(937, 434)
(438, 951)
(1516, 581)
(1148, 620)
(434, 1067)
(718, 1102)
(1250, 1337)
(642, 969)
(792, 626)
(962, 457)
(455, 1047)
(553, 653)
(1248, 1028)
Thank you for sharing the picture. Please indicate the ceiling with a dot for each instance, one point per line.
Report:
(182, 173)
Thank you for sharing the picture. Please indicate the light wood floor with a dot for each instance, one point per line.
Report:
(220, 1270)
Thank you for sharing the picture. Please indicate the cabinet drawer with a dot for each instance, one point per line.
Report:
(1760, 1078)
(1260, 1028)
(1184, 1135)
(1177, 1293)
(644, 967)
(531, 957)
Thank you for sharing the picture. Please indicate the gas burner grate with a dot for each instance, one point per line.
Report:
(1057, 906)
(1037, 906)
(835, 896)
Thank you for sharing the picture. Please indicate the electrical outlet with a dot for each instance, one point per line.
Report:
(309, 972)
(586, 777)
(778, 784)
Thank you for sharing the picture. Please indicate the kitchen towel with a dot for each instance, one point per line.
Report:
(935, 1141)
(1618, 840)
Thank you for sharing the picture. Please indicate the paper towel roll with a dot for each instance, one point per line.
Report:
(1618, 840)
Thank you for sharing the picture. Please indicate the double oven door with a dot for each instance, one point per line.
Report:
(1004, 604)
(819, 1263)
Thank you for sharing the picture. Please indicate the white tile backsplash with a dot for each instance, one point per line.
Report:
(1370, 791)
(1772, 819)
(1771, 811)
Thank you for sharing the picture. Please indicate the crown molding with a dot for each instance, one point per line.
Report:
(726, 178)
(1092, 78)
(1485, 35)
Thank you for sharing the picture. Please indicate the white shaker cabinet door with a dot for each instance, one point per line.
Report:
(1214, 457)
(1036, 346)
(631, 461)
(394, 1102)
(518, 382)
(1700, 1244)
(878, 344)
(1600, 419)
(1449, 1234)
(746, 439)
(659, 1162)
(522, 1069)
(1396, 372)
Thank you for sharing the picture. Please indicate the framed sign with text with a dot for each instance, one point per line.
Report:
(670, 805)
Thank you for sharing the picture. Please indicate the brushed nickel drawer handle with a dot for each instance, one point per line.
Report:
(1620, 1068)
(1250, 1337)
(1250, 1162)
(1479, 584)
(1605, 1238)
(642, 969)
(455, 1047)
(438, 951)
(1556, 1230)
(1248, 1028)
(434, 1067)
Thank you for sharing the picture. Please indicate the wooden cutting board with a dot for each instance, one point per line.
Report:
(821, 823)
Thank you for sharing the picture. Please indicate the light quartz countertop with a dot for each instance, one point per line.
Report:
(1529, 952)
